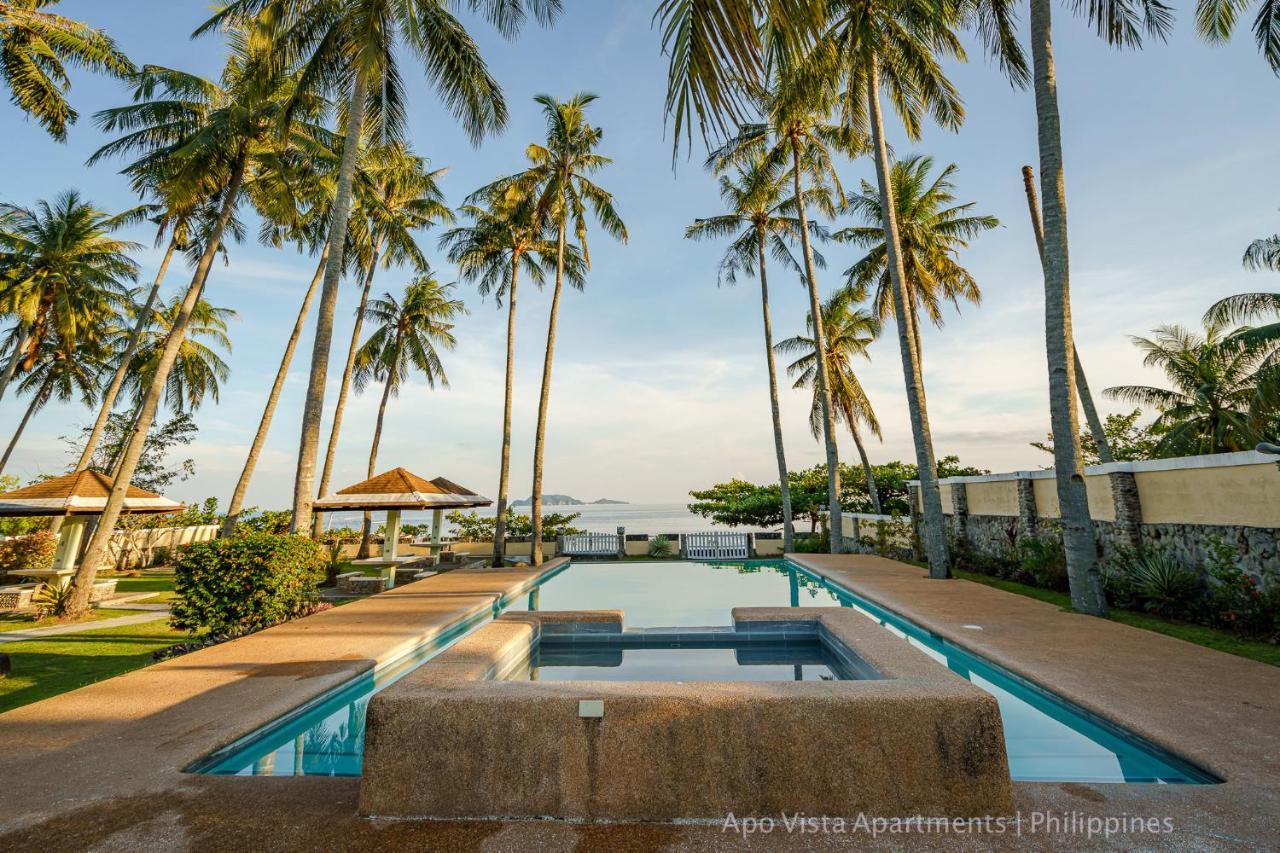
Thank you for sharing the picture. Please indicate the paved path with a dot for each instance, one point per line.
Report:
(149, 615)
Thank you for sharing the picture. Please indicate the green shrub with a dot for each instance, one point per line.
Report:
(33, 551)
(1043, 561)
(1235, 599)
(250, 581)
(659, 546)
(1162, 585)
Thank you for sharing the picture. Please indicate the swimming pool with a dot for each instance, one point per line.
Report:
(1047, 738)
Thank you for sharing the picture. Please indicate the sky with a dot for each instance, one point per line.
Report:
(659, 384)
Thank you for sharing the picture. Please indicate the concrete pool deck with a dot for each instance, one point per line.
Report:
(99, 768)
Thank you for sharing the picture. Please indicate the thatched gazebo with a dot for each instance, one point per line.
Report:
(395, 491)
(79, 496)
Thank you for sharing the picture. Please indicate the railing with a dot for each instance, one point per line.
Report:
(591, 545)
(717, 546)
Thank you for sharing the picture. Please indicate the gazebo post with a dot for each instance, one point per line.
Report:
(437, 528)
(69, 539)
(391, 544)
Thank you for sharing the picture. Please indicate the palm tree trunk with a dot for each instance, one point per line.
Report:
(834, 515)
(540, 433)
(37, 401)
(1082, 383)
(867, 470)
(304, 483)
(97, 548)
(504, 469)
(345, 389)
(273, 398)
(933, 534)
(788, 525)
(12, 367)
(1073, 502)
(373, 462)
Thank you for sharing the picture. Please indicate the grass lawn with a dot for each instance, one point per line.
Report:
(21, 623)
(161, 583)
(47, 667)
(1201, 635)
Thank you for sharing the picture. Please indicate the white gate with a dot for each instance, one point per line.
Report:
(719, 545)
(590, 545)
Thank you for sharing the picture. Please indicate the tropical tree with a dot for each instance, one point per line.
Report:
(395, 197)
(932, 229)
(352, 47)
(1263, 253)
(761, 220)
(197, 369)
(61, 271)
(558, 176)
(1216, 20)
(205, 134)
(796, 132)
(848, 330)
(36, 45)
(407, 336)
(61, 371)
(504, 237)
(1121, 24)
(1217, 403)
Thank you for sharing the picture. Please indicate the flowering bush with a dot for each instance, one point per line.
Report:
(250, 581)
(1236, 599)
(33, 551)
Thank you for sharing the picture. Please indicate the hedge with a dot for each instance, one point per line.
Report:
(245, 583)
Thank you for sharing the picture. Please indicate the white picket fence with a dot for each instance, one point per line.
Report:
(590, 545)
(717, 545)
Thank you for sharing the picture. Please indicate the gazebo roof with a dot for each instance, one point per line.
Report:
(79, 493)
(401, 489)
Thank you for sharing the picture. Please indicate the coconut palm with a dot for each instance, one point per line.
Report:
(205, 134)
(1121, 24)
(63, 371)
(796, 132)
(395, 196)
(895, 47)
(932, 229)
(61, 270)
(1263, 253)
(848, 330)
(504, 237)
(352, 47)
(407, 336)
(198, 368)
(1216, 404)
(761, 220)
(1216, 20)
(36, 45)
(558, 178)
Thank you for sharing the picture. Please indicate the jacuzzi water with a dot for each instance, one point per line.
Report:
(727, 660)
(1047, 738)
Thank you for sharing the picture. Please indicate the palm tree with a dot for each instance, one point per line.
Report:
(796, 132)
(894, 47)
(761, 219)
(1263, 253)
(60, 272)
(1217, 403)
(933, 230)
(204, 134)
(63, 371)
(36, 46)
(197, 370)
(1121, 24)
(395, 196)
(503, 238)
(848, 331)
(352, 47)
(1216, 21)
(405, 338)
(558, 177)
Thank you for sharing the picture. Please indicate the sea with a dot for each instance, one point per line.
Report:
(594, 518)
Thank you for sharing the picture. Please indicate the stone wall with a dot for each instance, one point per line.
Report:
(1175, 505)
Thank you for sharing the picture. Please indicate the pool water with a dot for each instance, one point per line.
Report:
(1047, 738)
(727, 660)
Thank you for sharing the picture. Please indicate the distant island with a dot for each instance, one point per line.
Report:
(564, 500)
